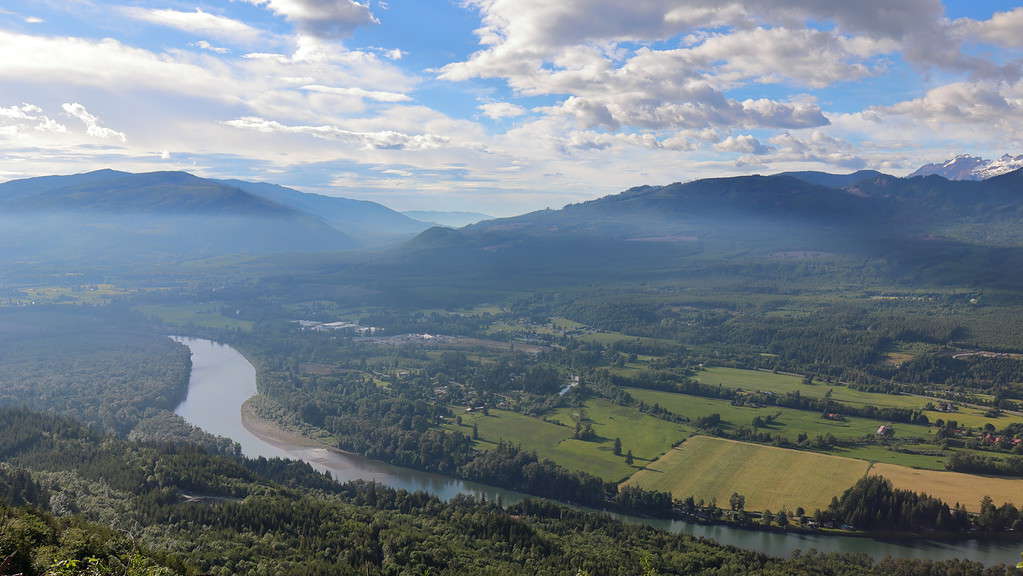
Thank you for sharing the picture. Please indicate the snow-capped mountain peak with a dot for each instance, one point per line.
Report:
(969, 167)
(1007, 163)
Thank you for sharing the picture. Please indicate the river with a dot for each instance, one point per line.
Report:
(222, 380)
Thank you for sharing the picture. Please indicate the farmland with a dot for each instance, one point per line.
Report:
(789, 423)
(784, 383)
(770, 478)
(967, 489)
(185, 315)
(645, 436)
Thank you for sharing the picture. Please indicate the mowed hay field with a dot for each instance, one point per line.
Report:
(764, 381)
(952, 487)
(770, 478)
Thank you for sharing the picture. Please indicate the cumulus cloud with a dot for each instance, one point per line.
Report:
(743, 144)
(29, 114)
(322, 18)
(385, 140)
(532, 29)
(499, 110)
(23, 112)
(815, 147)
(92, 123)
(1003, 29)
(198, 23)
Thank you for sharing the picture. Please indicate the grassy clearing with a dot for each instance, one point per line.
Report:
(952, 487)
(785, 383)
(770, 478)
(790, 423)
(646, 436)
(207, 315)
(610, 338)
(547, 440)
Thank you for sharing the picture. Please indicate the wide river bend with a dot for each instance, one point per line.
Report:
(222, 380)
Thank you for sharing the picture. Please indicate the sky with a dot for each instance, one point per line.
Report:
(504, 106)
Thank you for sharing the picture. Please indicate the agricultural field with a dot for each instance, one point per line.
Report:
(790, 422)
(784, 383)
(952, 487)
(770, 478)
(881, 454)
(92, 294)
(207, 315)
(646, 436)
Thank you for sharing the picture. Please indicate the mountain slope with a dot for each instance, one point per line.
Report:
(370, 222)
(122, 192)
(117, 217)
(710, 226)
(834, 180)
(453, 219)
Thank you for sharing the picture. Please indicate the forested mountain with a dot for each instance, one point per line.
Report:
(115, 217)
(904, 224)
(453, 219)
(368, 222)
(110, 191)
(834, 180)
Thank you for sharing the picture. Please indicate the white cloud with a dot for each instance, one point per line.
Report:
(34, 20)
(744, 144)
(268, 84)
(92, 123)
(386, 140)
(322, 18)
(23, 112)
(377, 95)
(499, 110)
(30, 113)
(816, 147)
(106, 63)
(47, 124)
(204, 45)
(996, 105)
(198, 23)
(1003, 28)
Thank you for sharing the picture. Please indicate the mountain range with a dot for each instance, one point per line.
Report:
(968, 167)
(962, 231)
(172, 215)
(107, 214)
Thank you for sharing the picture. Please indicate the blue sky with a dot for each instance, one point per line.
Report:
(503, 106)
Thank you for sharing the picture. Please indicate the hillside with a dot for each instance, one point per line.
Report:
(916, 228)
(452, 219)
(122, 192)
(369, 222)
(110, 216)
(834, 180)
